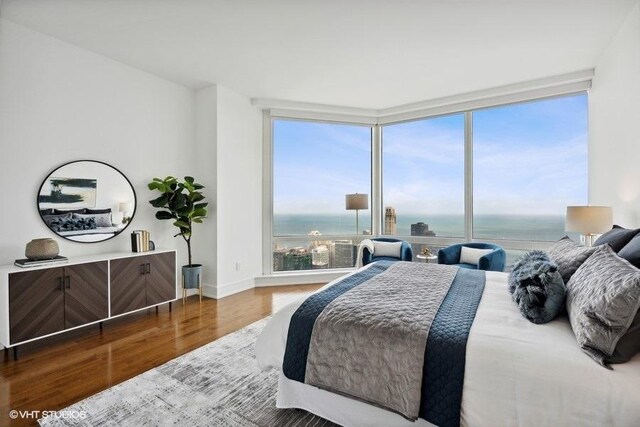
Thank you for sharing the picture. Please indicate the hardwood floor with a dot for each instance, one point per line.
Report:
(56, 372)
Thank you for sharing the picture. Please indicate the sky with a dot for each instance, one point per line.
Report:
(529, 158)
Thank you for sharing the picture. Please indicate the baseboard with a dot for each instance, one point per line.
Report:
(227, 289)
(298, 278)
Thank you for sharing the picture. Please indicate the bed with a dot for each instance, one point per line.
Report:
(516, 373)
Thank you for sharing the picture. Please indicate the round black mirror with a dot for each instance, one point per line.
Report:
(86, 201)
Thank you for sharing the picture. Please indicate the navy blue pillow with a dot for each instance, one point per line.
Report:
(617, 237)
(631, 251)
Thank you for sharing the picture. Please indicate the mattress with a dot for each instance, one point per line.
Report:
(517, 373)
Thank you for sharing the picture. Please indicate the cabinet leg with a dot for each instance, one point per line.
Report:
(156, 309)
(169, 306)
(15, 353)
(100, 326)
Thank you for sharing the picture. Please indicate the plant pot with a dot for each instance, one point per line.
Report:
(191, 276)
(38, 249)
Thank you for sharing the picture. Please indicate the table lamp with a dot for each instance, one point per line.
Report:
(355, 202)
(589, 221)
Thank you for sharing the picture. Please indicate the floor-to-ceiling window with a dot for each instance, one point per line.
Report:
(423, 177)
(503, 174)
(321, 173)
(530, 160)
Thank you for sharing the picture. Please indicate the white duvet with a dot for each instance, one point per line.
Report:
(517, 374)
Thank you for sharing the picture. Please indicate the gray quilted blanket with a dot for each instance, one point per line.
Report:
(369, 342)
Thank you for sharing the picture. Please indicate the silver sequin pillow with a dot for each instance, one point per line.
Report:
(569, 256)
(603, 297)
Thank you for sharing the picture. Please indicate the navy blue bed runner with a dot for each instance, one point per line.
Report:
(443, 371)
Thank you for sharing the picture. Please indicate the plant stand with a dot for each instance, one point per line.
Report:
(184, 290)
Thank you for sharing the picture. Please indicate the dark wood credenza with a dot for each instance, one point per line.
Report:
(46, 300)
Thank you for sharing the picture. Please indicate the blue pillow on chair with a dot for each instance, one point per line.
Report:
(406, 253)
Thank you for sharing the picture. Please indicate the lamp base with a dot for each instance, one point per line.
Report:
(588, 239)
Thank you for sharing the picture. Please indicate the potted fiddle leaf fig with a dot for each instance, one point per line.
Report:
(181, 202)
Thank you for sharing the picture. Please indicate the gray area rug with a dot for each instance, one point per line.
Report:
(216, 385)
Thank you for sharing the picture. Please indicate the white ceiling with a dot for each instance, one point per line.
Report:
(358, 53)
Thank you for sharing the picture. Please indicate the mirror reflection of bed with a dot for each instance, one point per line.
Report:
(86, 201)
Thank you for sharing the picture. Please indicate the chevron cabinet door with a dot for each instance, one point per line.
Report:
(85, 294)
(128, 285)
(161, 278)
(36, 303)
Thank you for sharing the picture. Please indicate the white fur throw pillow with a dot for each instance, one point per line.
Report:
(472, 255)
(391, 249)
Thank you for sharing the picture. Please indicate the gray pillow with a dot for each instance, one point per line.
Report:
(102, 220)
(603, 297)
(617, 237)
(569, 256)
(48, 219)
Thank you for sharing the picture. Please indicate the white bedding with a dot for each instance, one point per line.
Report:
(517, 374)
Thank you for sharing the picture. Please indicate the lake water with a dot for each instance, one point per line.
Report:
(513, 227)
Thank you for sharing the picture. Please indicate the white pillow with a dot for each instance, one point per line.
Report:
(391, 249)
(472, 255)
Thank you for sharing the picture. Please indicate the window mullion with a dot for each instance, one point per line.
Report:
(468, 175)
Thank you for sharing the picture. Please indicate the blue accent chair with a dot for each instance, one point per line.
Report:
(406, 253)
(493, 261)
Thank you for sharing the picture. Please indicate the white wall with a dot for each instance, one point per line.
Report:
(60, 103)
(204, 240)
(614, 112)
(239, 192)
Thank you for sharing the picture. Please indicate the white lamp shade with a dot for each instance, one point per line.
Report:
(125, 207)
(589, 219)
(356, 201)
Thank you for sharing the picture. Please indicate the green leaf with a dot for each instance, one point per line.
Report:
(196, 197)
(198, 186)
(189, 179)
(160, 202)
(164, 215)
(181, 224)
(200, 205)
(199, 212)
(197, 220)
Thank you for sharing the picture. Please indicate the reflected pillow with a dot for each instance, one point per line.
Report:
(46, 212)
(617, 237)
(48, 219)
(631, 251)
(472, 255)
(101, 220)
(73, 224)
(69, 211)
(603, 297)
(569, 256)
(390, 249)
(98, 211)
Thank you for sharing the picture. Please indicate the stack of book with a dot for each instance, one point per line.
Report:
(35, 262)
(140, 241)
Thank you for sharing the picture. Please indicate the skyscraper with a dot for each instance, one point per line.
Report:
(421, 229)
(343, 254)
(389, 220)
(320, 257)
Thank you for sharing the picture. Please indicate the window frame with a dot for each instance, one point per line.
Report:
(377, 167)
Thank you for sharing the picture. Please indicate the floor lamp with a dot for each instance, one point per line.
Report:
(355, 202)
(589, 221)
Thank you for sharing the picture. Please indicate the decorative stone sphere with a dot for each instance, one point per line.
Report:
(42, 249)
